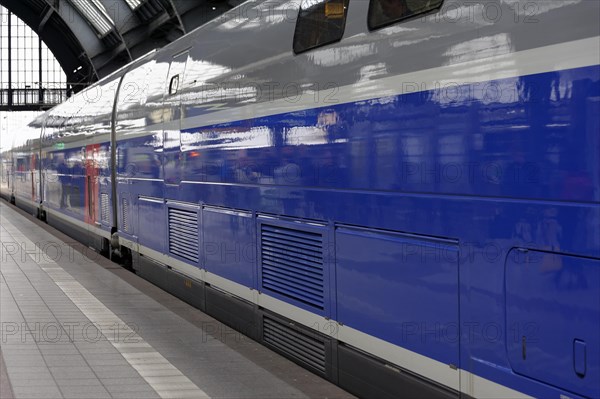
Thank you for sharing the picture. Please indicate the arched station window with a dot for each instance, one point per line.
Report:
(30, 76)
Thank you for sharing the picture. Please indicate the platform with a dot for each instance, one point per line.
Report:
(75, 325)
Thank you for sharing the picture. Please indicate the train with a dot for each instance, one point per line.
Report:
(402, 196)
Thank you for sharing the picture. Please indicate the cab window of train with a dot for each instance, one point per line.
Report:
(386, 12)
(174, 86)
(320, 22)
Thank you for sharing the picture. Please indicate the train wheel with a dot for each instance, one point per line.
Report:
(126, 258)
(105, 248)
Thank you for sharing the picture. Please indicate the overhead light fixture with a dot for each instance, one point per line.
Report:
(133, 4)
(96, 14)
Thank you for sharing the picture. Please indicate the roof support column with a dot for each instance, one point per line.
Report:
(10, 88)
(41, 75)
(45, 19)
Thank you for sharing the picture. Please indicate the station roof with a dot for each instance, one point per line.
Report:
(92, 38)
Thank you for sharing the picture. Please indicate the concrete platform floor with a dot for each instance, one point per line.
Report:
(75, 325)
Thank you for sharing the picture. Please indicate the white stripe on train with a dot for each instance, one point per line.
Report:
(575, 54)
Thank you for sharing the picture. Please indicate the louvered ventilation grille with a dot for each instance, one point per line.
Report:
(183, 234)
(126, 215)
(296, 345)
(105, 206)
(292, 264)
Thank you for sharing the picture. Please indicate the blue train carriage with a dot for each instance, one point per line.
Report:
(401, 196)
(6, 171)
(76, 163)
(19, 168)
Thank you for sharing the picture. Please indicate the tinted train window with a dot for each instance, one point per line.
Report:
(385, 12)
(319, 22)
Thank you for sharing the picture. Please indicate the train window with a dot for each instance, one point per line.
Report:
(319, 22)
(385, 12)
(174, 86)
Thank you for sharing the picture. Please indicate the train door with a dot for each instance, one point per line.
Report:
(91, 182)
(5, 174)
(172, 121)
(35, 174)
(7, 170)
(32, 169)
(40, 173)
